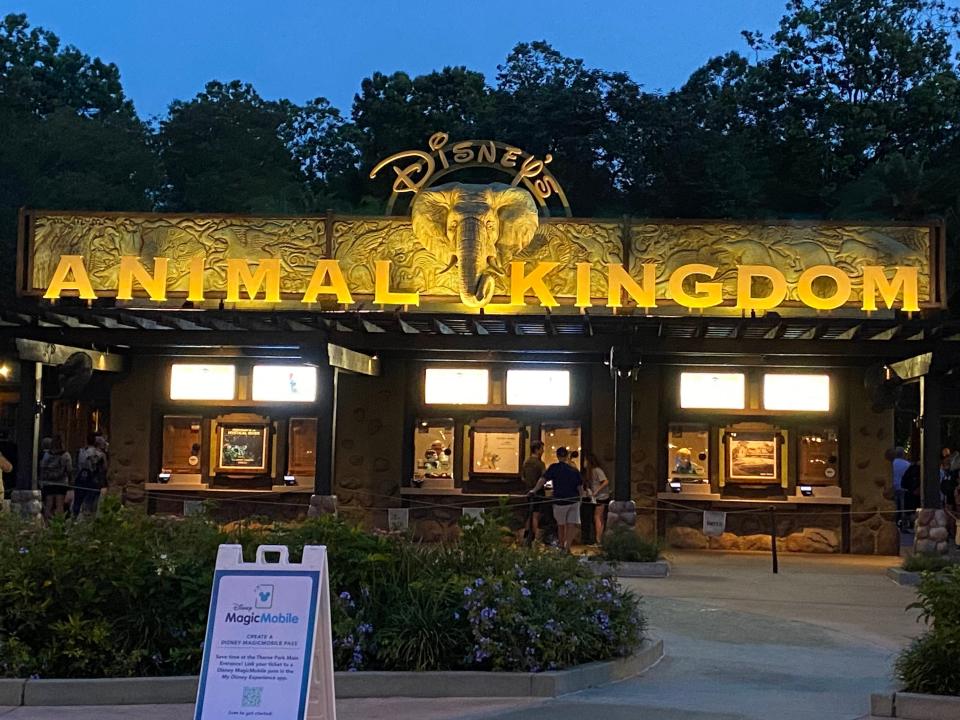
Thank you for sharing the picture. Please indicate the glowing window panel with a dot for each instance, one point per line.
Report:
(538, 387)
(796, 392)
(203, 382)
(457, 386)
(712, 391)
(284, 383)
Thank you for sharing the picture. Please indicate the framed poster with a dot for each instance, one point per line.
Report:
(242, 448)
(495, 452)
(753, 457)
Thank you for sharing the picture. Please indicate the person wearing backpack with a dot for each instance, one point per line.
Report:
(56, 475)
(91, 463)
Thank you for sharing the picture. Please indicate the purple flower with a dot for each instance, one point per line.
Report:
(345, 596)
(468, 590)
(24, 551)
(525, 591)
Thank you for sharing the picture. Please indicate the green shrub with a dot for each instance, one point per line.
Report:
(921, 562)
(126, 594)
(932, 663)
(622, 544)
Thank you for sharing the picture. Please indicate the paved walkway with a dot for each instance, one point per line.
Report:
(742, 644)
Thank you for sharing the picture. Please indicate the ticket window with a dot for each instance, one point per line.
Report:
(182, 447)
(433, 448)
(819, 458)
(688, 454)
(554, 436)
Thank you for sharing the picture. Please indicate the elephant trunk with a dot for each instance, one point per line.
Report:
(476, 283)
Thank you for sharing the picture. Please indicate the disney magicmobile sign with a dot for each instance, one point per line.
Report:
(268, 651)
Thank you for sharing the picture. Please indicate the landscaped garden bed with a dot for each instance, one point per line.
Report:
(625, 554)
(126, 595)
(929, 670)
(911, 570)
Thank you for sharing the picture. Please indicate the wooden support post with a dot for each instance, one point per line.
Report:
(931, 401)
(326, 425)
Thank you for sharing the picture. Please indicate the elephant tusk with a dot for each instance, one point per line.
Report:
(450, 265)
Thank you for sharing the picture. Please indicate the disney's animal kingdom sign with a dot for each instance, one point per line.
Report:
(487, 246)
(338, 262)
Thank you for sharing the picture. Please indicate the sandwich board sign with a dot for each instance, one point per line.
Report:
(268, 651)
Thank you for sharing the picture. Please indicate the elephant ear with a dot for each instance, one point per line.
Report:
(519, 219)
(429, 212)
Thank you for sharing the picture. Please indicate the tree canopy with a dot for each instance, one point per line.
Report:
(850, 108)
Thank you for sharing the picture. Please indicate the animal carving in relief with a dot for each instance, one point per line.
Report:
(478, 229)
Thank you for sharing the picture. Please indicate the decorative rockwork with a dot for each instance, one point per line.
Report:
(622, 513)
(322, 505)
(931, 535)
(27, 504)
(789, 248)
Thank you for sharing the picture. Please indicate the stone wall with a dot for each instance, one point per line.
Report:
(131, 401)
(810, 528)
(646, 447)
(873, 530)
(369, 443)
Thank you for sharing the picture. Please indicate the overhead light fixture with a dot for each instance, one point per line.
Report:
(163, 478)
(806, 490)
(289, 480)
(4, 371)
(676, 486)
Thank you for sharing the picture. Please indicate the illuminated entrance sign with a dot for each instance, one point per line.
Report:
(820, 287)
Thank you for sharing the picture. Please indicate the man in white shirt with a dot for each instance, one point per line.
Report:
(898, 459)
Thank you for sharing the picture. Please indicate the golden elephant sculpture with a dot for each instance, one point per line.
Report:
(477, 228)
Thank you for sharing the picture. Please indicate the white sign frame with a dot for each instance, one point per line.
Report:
(315, 687)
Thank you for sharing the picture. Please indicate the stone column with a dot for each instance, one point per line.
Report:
(931, 536)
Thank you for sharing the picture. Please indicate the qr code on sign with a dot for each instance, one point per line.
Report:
(252, 696)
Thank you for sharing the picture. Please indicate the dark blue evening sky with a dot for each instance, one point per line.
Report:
(168, 49)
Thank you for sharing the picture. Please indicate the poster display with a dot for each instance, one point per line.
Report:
(496, 453)
(268, 651)
(242, 448)
(752, 457)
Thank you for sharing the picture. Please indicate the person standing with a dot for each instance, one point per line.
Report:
(91, 465)
(598, 487)
(56, 475)
(898, 460)
(531, 472)
(567, 486)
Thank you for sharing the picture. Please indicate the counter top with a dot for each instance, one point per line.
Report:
(202, 488)
(454, 492)
(718, 499)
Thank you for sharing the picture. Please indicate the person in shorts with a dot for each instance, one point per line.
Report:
(567, 485)
(56, 476)
(531, 472)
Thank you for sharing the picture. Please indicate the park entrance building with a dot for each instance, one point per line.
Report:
(408, 361)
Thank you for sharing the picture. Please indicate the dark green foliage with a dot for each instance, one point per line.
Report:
(932, 662)
(921, 562)
(849, 109)
(125, 594)
(622, 544)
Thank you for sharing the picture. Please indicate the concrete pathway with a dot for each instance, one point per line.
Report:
(742, 644)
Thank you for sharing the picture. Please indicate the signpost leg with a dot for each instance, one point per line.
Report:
(773, 539)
